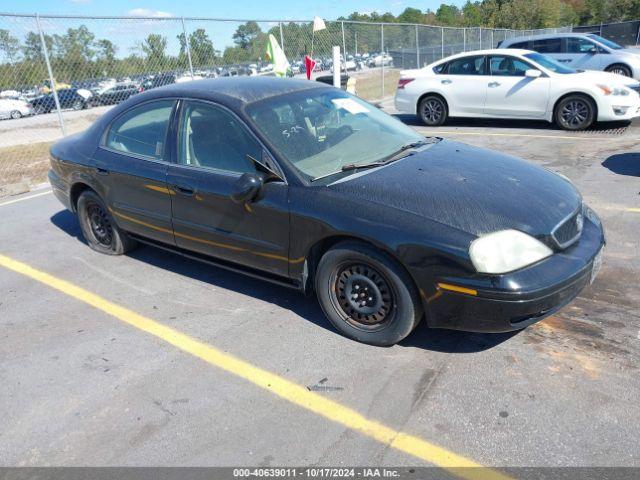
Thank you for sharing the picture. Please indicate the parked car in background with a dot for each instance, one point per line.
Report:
(158, 81)
(14, 108)
(68, 97)
(277, 178)
(114, 94)
(515, 84)
(586, 51)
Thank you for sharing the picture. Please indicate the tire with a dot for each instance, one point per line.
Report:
(392, 307)
(575, 112)
(15, 114)
(98, 228)
(619, 69)
(78, 105)
(433, 110)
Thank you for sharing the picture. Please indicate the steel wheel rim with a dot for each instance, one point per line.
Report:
(15, 114)
(574, 113)
(432, 110)
(100, 225)
(362, 296)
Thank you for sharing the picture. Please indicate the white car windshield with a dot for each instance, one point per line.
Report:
(320, 132)
(549, 63)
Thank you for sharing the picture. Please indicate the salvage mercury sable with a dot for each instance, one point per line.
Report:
(304, 185)
(516, 84)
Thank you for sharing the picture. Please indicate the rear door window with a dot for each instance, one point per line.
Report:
(548, 45)
(142, 130)
(467, 66)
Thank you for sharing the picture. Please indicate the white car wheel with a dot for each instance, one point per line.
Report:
(15, 114)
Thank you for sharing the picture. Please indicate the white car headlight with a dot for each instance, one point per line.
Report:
(505, 251)
(617, 91)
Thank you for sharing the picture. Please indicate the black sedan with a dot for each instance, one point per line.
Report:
(68, 98)
(301, 184)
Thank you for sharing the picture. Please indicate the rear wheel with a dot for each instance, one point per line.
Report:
(98, 228)
(575, 112)
(78, 105)
(16, 114)
(366, 295)
(620, 70)
(432, 110)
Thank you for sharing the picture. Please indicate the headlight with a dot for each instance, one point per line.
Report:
(608, 90)
(505, 251)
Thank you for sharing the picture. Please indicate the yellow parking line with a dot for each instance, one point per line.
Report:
(485, 134)
(285, 389)
(25, 198)
(635, 210)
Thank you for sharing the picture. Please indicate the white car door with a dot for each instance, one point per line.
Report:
(510, 93)
(464, 84)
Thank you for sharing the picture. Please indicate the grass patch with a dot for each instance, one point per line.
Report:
(369, 85)
(24, 163)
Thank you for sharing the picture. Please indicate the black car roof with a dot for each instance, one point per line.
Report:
(243, 89)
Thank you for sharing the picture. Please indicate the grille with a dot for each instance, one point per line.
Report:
(569, 230)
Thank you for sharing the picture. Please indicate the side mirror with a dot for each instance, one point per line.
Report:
(533, 73)
(247, 188)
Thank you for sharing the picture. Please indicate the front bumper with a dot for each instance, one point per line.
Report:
(615, 107)
(516, 300)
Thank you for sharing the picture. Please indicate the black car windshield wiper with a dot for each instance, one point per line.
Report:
(400, 153)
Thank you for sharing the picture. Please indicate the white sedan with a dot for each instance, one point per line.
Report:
(518, 84)
(13, 108)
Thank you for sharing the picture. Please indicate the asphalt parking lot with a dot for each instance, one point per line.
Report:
(248, 373)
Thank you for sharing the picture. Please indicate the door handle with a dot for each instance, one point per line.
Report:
(565, 60)
(184, 189)
(494, 84)
(102, 171)
(445, 82)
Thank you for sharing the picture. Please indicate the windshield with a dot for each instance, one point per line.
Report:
(549, 63)
(605, 42)
(321, 131)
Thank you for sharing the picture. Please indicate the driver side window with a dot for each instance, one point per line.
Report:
(506, 66)
(580, 45)
(211, 137)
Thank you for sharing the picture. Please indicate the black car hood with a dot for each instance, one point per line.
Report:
(474, 190)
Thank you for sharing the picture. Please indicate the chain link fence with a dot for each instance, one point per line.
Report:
(624, 33)
(59, 73)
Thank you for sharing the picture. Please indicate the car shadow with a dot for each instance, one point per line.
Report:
(624, 164)
(600, 127)
(423, 337)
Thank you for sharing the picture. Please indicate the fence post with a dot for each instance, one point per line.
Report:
(638, 34)
(186, 43)
(382, 61)
(464, 39)
(417, 49)
(51, 79)
(492, 44)
(480, 38)
(281, 37)
(344, 48)
(441, 42)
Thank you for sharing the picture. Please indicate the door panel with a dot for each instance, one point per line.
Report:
(510, 93)
(214, 148)
(465, 85)
(206, 220)
(132, 165)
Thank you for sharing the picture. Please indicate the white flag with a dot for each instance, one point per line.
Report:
(318, 24)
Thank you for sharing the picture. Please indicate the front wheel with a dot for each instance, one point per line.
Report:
(16, 114)
(98, 228)
(575, 112)
(366, 295)
(78, 105)
(432, 110)
(619, 70)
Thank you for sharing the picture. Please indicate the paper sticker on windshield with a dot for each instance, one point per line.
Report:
(349, 105)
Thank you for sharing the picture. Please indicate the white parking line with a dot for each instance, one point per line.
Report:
(556, 137)
(3, 204)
